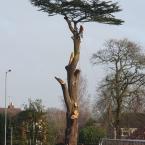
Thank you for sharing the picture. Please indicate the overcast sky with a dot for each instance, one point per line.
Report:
(37, 48)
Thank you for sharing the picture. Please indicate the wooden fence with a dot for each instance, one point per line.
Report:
(121, 142)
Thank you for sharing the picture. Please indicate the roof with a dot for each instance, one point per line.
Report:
(132, 120)
(11, 110)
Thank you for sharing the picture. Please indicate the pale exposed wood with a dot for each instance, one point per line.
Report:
(71, 58)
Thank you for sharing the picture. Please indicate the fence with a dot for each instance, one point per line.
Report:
(122, 142)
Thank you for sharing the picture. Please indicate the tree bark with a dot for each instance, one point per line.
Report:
(70, 90)
(117, 119)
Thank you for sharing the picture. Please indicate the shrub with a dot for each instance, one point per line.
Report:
(91, 135)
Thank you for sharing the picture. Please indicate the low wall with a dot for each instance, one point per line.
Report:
(122, 142)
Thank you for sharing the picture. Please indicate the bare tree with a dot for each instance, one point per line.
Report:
(83, 101)
(104, 106)
(126, 63)
(135, 103)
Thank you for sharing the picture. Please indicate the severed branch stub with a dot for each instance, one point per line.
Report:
(65, 94)
(60, 80)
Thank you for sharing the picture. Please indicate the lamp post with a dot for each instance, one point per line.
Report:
(6, 105)
(11, 135)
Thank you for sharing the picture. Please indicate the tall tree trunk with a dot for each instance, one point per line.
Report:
(110, 130)
(70, 90)
(117, 119)
(118, 102)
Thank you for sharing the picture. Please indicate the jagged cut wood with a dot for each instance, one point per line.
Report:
(60, 80)
(76, 104)
(75, 114)
(71, 58)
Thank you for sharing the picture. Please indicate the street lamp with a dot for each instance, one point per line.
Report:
(6, 104)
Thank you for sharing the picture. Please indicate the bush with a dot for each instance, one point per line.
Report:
(91, 135)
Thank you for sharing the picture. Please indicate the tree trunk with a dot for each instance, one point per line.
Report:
(70, 90)
(117, 119)
(118, 102)
(110, 131)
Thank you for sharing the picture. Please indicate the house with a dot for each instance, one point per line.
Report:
(11, 110)
(133, 125)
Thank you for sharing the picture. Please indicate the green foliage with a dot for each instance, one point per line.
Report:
(91, 135)
(32, 124)
(90, 122)
(81, 10)
(2, 121)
